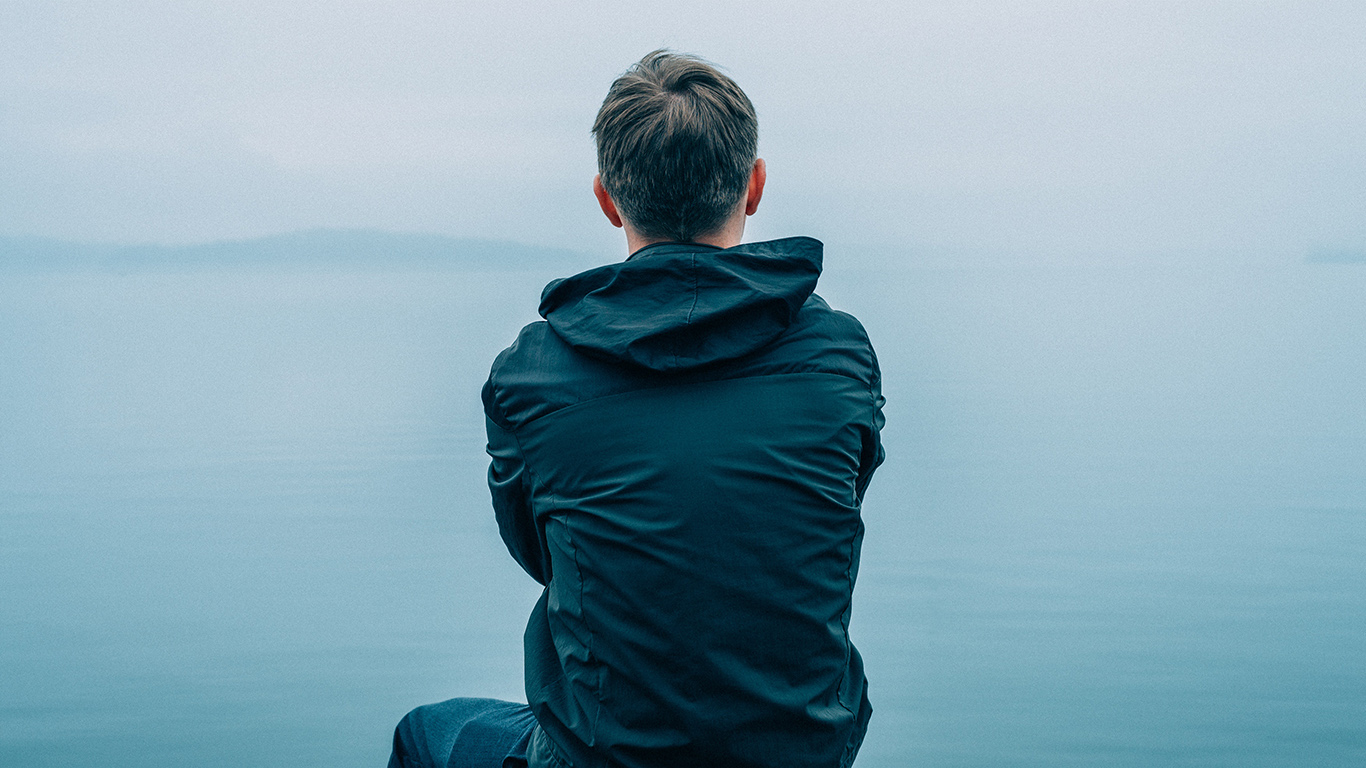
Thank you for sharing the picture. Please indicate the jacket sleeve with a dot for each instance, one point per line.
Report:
(872, 454)
(510, 486)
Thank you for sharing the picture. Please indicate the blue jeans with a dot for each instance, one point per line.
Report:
(463, 733)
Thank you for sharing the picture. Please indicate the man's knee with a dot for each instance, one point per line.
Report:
(413, 737)
(403, 746)
(487, 729)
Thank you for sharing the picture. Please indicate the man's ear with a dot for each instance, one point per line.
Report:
(757, 177)
(609, 208)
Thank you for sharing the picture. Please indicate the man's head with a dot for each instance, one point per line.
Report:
(677, 143)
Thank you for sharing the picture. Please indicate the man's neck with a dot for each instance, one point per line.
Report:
(728, 236)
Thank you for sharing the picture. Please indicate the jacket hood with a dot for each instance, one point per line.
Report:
(674, 306)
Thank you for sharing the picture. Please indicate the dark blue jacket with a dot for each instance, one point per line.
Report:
(679, 455)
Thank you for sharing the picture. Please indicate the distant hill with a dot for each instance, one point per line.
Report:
(320, 248)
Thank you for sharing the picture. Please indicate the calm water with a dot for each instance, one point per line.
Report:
(243, 519)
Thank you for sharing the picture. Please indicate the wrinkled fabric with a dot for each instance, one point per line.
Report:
(464, 733)
(679, 454)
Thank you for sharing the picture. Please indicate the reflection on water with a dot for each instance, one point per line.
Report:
(243, 518)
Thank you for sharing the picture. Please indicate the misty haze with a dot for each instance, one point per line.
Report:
(256, 260)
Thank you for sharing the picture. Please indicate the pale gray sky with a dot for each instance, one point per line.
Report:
(1093, 130)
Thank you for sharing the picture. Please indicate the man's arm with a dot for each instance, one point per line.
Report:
(509, 484)
(872, 454)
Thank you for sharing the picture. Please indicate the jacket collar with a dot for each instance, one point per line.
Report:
(671, 246)
(676, 306)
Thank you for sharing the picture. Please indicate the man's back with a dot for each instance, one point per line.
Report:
(680, 453)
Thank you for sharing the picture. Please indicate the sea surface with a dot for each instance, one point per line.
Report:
(1122, 522)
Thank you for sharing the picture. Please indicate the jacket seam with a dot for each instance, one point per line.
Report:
(848, 614)
(574, 547)
(587, 625)
(585, 401)
(692, 270)
(531, 495)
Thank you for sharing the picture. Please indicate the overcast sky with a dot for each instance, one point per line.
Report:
(1099, 129)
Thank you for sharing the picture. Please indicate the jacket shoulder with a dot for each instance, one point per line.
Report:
(540, 374)
(820, 340)
(514, 357)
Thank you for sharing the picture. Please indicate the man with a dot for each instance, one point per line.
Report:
(679, 454)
